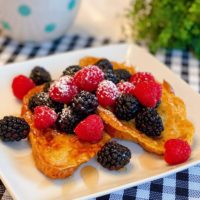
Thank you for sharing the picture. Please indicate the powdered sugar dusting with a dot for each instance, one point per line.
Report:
(65, 112)
(45, 110)
(93, 71)
(108, 89)
(63, 84)
(141, 77)
(63, 90)
(125, 87)
(89, 77)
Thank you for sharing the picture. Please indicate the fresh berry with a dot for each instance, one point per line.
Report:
(47, 86)
(158, 104)
(110, 76)
(57, 106)
(148, 93)
(104, 64)
(149, 122)
(71, 70)
(13, 128)
(42, 99)
(141, 77)
(39, 99)
(122, 74)
(90, 129)
(44, 117)
(84, 103)
(125, 87)
(21, 85)
(63, 90)
(89, 78)
(176, 151)
(114, 156)
(126, 107)
(67, 120)
(107, 93)
(39, 75)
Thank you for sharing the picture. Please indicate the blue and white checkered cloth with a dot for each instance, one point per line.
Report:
(180, 186)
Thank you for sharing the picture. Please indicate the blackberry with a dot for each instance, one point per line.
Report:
(84, 103)
(158, 104)
(104, 64)
(149, 122)
(39, 99)
(47, 86)
(122, 74)
(71, 70)
(110, 76)
(42, 99)
(113, 156)
(126, 107)
(57, 106)
(67, 120)
(13, 128)
(40, 75)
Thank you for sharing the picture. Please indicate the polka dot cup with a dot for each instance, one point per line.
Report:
(37, 20)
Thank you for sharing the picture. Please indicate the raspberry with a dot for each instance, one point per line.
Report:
(176, 151)
(148, 93)
(107, 93)
(44, 117)
(21, 85)
(89, 78)
(141, 77)
(125, 87)
(90, 129)
(63, 90)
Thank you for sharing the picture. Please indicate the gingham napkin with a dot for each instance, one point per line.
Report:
(180, 186)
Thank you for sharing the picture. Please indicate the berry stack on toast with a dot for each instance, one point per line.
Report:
(172, 110)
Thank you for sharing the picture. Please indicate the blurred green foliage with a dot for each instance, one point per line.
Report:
(167, 23)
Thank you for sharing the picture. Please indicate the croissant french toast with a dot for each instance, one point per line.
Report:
(172, 111)
(57, 155)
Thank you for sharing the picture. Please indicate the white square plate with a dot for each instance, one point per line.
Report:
(17, 169)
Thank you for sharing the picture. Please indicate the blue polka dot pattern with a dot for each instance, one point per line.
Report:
(6, 25)
(71, 4)
(24, 10)
(50, 28)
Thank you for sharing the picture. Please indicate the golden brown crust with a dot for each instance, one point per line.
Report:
(56, 154)
(172, 111)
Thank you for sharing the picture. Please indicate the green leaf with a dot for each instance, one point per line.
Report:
(167, 23)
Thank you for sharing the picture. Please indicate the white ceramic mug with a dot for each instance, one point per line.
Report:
(37, 20)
